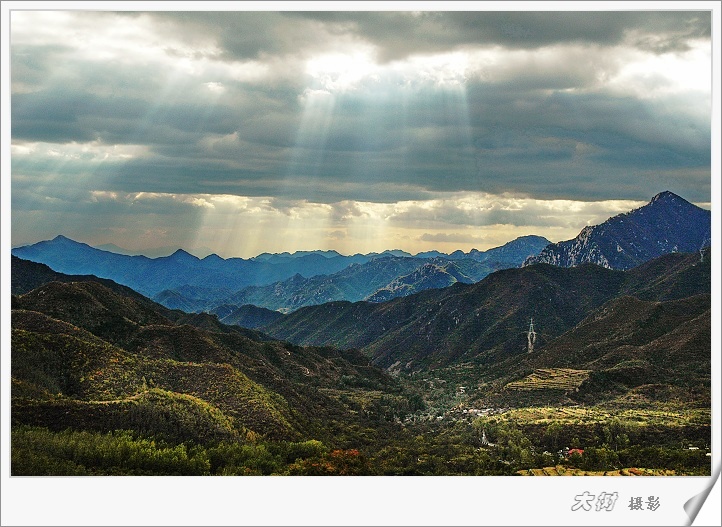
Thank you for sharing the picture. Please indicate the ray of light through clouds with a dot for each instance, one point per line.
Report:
(279, 131)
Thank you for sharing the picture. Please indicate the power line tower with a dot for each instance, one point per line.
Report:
(702, 247)
(484, 440)
(531, 336)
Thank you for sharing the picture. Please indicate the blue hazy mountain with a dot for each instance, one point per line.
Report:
(384, 276)
(157, 252)
(150, 276)
(277, 281)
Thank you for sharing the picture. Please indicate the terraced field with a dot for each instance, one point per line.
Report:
(565, 379)
(592, 415)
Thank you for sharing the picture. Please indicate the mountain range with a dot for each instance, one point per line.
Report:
(401, 373)
(667, 224)
(378, 280)
(409, 312)
(487, 321)
(88, 349)
(150, 276)
(281, 282)
(286, 282)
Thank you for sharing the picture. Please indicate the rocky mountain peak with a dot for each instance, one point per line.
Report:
(668, 223)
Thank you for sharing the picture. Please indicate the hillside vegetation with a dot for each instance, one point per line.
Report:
(486, 323)
(105, 381)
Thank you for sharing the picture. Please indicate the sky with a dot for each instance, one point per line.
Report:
(364, 130)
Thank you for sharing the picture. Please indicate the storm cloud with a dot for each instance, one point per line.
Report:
(344, 110)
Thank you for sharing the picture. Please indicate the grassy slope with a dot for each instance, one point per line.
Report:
(81, 348)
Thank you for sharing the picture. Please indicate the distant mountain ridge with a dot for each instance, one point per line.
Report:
(150, 276)
(668, 223)
(157, 252)
(281, 281)
(380, 279)
(286, 282)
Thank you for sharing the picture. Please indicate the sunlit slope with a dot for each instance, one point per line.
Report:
(629, 352)
(87, 357)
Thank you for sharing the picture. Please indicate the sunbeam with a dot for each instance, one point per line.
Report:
(300, 137)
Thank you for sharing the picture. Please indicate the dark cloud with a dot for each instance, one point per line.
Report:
(501, 147)
(225, 103)
(398, 35)
(249, 35)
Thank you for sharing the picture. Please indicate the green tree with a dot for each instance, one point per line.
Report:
(615, 434)
(552, 434)
(599, 459)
